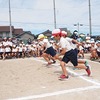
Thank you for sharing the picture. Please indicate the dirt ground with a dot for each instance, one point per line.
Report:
(31, 79)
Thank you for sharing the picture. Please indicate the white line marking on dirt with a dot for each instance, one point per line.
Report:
(56, 93)
(82, 77)
(96, 86)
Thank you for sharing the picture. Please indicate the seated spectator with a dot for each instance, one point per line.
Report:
(24, 50)
(33, 49)
(5, 41)
(20, 51)
(2, 51)
(28, 51)
(14, 51)
(87, 47)
(7, 51)
(75, 35)
(9, 42)
(93, 51)
(29, 41)
(98, 49)
(81, 51)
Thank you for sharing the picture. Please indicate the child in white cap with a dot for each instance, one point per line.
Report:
(69, 55)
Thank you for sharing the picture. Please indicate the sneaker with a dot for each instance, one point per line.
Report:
(63, 77)
(88, 70)
(54, 62)
(49, 63)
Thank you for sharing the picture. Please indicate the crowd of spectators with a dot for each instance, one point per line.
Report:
(11, 48)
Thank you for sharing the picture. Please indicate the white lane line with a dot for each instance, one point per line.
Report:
(82, 77)
(96, 86)
(56, 93)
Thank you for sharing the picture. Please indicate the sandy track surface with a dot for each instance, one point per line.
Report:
(31, 79)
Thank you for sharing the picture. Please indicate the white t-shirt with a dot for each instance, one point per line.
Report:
(88, 37)
(2, 50)
(41, 43)
(7, 49)
(14, 49)
(80, 47)
(71, 43)
(98, 49)
(46, 43)
(20, 49)
(5, 43)
(65, 44)
(24, 48)
(86, 45)
(9, 43)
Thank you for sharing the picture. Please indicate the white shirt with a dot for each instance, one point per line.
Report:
(46, 43)
(7, 49)
(20, 49)
(80, 47)
(5, 43)
(71, 43)
(2, 50)
(88, 37)
(24, 48)
(98, 49)
(14, 49)
(65, 44)
(9, 43)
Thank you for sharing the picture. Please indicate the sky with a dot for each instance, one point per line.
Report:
(38, 15)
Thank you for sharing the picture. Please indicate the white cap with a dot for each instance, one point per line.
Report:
(56, 31)
(88, 41)
(76, 32)
(34, 45)
(5, 37)
(63, 32)
(97, 41)
(27, 45)
(92, 41)
(20, 44)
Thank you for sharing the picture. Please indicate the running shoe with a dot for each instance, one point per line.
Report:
(63, 77)
(88, 70)
(49, 63)
(54, 62)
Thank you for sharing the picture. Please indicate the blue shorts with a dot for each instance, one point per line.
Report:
(98, 53)
(71, 56)
(76, 50)
(50, 51)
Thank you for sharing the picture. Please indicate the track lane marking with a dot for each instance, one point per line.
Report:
(56, 93)
(96, 85)
(82, 77)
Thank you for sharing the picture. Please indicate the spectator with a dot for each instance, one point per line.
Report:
(93, 51)
(88, 38)
(29, 41)
(98, 49)
(75, 35)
